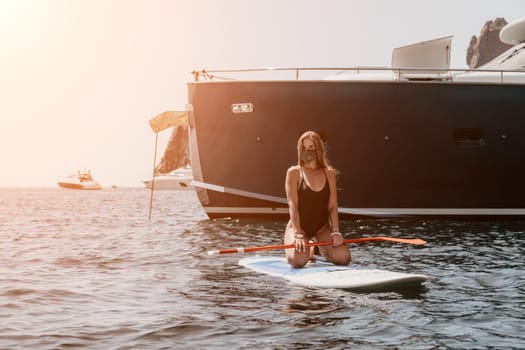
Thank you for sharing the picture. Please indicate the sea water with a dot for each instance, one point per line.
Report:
(89, 270)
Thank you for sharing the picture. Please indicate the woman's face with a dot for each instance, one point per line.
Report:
(309, 151)
(308, 144)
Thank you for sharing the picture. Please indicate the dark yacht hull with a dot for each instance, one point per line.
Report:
(401, 148)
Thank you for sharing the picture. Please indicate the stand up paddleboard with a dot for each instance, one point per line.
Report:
(326, 275)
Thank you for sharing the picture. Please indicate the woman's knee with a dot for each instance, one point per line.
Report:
(297, 264)
(339, 258)
(297, 261)
(342, 260)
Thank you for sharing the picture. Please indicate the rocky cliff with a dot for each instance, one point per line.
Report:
(481, 50)
(487, 46)
(177, 153)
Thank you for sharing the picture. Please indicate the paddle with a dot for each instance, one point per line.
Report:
(241, 250)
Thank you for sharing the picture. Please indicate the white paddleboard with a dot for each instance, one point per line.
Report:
(326, 275)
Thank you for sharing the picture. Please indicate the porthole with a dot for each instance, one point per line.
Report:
(470, 137)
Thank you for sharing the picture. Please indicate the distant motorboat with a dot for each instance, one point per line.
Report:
(81, 180)
(178, 179)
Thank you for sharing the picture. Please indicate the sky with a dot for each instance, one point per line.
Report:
(80, 79)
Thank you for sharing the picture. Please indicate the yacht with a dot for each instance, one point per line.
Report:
(81, 180)
(178, 179)
(418, 138)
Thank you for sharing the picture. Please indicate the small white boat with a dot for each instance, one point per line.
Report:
(81, 180)
(178, 179)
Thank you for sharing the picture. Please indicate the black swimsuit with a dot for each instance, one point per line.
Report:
(313, 207)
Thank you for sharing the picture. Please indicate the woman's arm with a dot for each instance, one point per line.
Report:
(333, 209)
(292, 180)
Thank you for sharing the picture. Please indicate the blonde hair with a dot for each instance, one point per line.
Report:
(319, 146)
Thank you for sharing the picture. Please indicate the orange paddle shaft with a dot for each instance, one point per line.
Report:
(242, 250)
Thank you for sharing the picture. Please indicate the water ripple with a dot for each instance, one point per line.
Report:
(90, 270)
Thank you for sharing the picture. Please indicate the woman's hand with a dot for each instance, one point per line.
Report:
(300, 243)
(337, 238)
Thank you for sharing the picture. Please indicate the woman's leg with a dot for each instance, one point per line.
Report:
(337, 255)
(295, 258)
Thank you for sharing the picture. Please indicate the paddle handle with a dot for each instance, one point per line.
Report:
(243, 250)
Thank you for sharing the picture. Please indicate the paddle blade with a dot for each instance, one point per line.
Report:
(415, 241)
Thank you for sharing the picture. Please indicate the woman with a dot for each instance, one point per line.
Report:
(312, 199)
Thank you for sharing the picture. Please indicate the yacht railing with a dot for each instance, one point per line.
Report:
(399, 74)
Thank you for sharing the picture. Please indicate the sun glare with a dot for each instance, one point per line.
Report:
(9, 11)
(22, 22)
